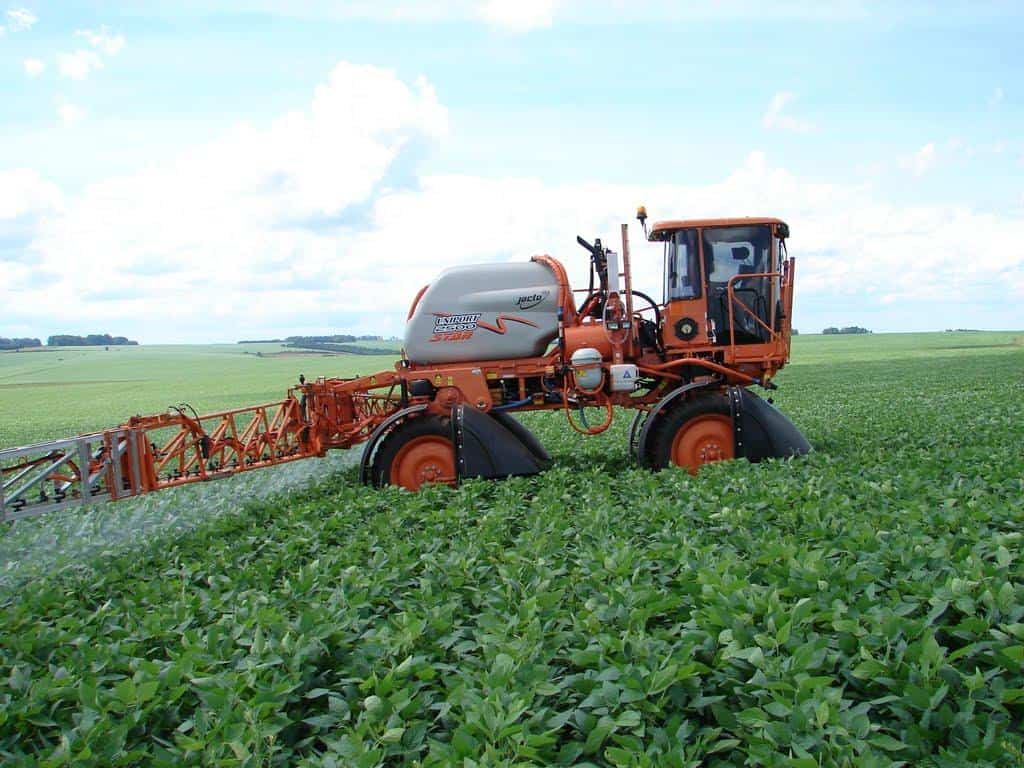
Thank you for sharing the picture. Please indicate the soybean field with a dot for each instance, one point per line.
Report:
(862, 606)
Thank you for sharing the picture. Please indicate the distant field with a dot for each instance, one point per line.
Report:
(861, 606)
(59, 392)
(55, 393)
(812, 350)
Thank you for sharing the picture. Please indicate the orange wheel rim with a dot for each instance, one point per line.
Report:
(423, 460)
(702, 440)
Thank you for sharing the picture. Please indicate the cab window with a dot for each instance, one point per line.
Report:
(682, 267)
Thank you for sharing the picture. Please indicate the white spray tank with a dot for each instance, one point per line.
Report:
(485, 312)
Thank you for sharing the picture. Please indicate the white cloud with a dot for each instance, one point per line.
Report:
(923, 160)
(68, 113)
(249, 223)
(775, 119)
(102, 40)
(996, 98)
(23, 192)
(79, 64)
(20, 19)
(934, 154)
(518, 15)
(34, 67)
(319, 221)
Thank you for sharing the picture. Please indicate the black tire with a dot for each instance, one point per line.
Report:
(398, 437)
(664, 430)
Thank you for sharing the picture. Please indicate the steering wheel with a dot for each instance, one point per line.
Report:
(653, 304)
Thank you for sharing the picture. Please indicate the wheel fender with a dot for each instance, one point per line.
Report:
(761, 430)
(366, 462)
(638, 444)
(488, 447)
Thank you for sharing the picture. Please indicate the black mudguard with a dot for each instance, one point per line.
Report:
(492, 446)
(761, 430)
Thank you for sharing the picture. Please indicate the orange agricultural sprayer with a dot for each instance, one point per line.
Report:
(483, 343)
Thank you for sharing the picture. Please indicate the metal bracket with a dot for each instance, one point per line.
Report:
(736, 412)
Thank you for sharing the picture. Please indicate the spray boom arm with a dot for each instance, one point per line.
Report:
(150, 453)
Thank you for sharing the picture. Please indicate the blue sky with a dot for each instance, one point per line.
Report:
(183, 156)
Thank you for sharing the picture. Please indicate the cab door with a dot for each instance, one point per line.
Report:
(685, 303)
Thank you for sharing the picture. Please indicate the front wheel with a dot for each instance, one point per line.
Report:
(417, 452)
(699, 431)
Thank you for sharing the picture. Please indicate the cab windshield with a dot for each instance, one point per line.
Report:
(731, 251)
(739, 257)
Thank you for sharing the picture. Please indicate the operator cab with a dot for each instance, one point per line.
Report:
(712, 263)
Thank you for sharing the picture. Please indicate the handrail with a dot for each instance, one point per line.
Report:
(732, 298)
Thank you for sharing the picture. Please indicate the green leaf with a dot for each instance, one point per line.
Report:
(463, 743)
(1003, 557)
(240, 751)
(628, 719)
(1014, 653)
(888, 743)
(597, 736)
(146, 691)
(321, 721)
(618, 756)
(802, 610)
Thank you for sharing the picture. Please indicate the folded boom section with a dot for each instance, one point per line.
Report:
(150, 453)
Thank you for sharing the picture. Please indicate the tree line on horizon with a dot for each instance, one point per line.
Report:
(6, 343)
(338, 338)
(832, 330)
(67, 340)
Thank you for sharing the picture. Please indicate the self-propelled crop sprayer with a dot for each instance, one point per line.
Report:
(481, 344)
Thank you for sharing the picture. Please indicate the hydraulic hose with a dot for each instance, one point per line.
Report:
(515, 404)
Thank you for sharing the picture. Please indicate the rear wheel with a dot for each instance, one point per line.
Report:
(699, 431)
(417, 452)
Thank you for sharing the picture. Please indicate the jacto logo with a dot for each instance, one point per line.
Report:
(530, 300)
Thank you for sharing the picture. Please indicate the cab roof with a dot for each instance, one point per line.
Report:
(673, 224)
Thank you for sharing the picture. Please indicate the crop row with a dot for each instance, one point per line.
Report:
(864, 606)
